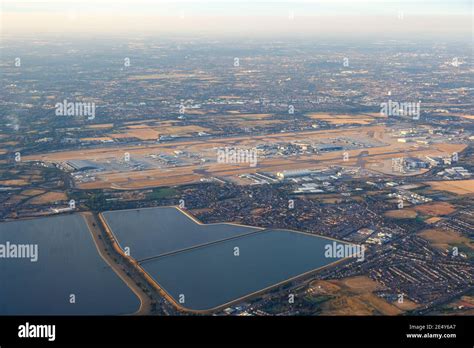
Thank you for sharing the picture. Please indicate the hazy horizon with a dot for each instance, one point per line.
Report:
(377, 18)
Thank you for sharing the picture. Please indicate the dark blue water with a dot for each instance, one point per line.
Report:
(156, 231)
(68, 263)
(211, 276)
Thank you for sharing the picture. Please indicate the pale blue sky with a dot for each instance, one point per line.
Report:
(242, 7)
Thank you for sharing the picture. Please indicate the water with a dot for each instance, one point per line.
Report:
(68, 263)
(212, 275)
(156, 231)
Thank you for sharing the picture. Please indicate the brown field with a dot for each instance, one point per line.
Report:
(460, 187)
(407, 305)
(331, 200)
(10, 143)
(189, 172)
(354, 296)
(362, 119)
(360, 284)
(101, 126)
(142, 134)
(349, 121)
(229, 97)
(97, 139)
(347, 305)
(17, 182)
(49, 197)
(147, 123)
(195, 112)
(468, 301)
(401, 213)
(435, 209)
(443, 239)
(324, 287)
(448, 148)
(32, 192)
(433, 220)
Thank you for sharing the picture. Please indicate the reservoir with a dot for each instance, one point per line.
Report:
(211, 276)
(68, 263)
(204, 266)
(156, 231)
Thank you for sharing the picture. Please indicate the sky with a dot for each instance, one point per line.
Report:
(251, 17)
